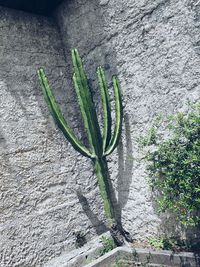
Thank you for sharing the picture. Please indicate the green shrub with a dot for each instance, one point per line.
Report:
(173, 164)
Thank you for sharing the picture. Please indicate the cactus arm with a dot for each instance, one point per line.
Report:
(58, 117)
(86, 105)
(106, 107)
(81, 102)
(118, 110)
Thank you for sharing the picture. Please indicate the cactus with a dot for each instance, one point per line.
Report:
(101, 145)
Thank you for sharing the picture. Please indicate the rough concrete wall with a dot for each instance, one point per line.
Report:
(47, 189)
(39, 206)
(154, 48)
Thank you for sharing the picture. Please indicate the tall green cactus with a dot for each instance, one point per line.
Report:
(101, 145)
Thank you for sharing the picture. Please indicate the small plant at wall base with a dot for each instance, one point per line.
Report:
(101, 145)
(108, 245)
(173, 164)
(174, 243)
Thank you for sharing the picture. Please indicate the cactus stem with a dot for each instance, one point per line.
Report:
(100, 168)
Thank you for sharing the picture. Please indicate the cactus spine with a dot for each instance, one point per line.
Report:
(101, 145)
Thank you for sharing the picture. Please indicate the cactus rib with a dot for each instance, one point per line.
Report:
(106, 108)
(119, 114)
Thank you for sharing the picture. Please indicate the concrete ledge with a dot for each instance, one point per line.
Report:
(147, 257)
(79, 257)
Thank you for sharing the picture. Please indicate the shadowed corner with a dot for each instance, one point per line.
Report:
(98, 225)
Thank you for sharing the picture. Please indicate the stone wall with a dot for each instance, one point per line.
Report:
(47, 190)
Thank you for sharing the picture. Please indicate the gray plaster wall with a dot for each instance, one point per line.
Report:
(39, 171)
(47, 190)
(154, 48)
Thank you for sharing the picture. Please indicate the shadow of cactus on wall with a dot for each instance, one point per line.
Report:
(101, 144)
(125, 166)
